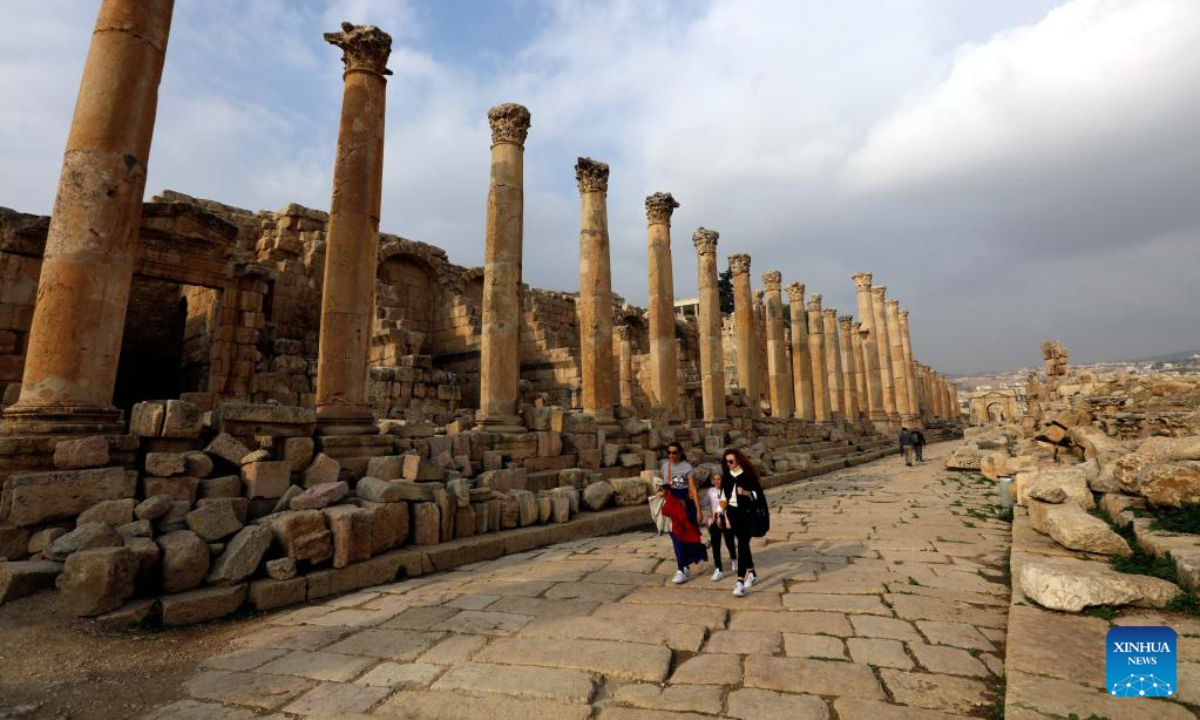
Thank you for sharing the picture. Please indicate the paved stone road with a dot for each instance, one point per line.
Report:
(881, 597)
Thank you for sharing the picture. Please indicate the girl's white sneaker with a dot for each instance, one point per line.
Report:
(739, 589)
(751, 579)
(717, 575)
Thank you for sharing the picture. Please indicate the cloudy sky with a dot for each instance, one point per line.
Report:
(1013, 171)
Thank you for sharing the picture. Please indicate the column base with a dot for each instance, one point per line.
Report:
(510, 424)
(345, 420)
(31, 419)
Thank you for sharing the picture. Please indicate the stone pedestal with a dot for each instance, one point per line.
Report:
(802, 366)
(833, 364)
(74, 341)
(899, 366)
(595, 289)
(778, 372)
(712, 359)
(352, 239)
(816, 352)
(499, 346)
(873, 382)
(849, 378)
(744, 328)
(664, 366)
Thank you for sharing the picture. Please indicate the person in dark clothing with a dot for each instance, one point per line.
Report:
(741, 488)
(906, 446)
(919, 444)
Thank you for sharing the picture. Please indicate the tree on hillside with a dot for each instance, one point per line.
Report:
(725, 291)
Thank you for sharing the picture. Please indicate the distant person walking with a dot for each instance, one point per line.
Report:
(919, 444)
(906, 446)
(682, 505)
(719, 527)
(741, 488)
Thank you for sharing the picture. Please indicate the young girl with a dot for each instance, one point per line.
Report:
(719, 527)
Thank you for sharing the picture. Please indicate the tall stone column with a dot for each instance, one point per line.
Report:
(802, 367)
(760, 335)
(833, 364)
(745, 332)
(849, 379)
(899, 366)
(352, 238)
(663, 364)
(74, 341)
(860, 369)
(873, 383)
(914, 403)
(625, 337)
(712, 360)
(778, 372)
(500, 344)
(939, 406)
(884, 347)
(816, 353)
(954, 407)
(595, 289)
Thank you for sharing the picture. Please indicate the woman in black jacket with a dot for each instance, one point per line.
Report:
(741, 488)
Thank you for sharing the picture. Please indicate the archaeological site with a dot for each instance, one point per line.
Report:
(341, 475)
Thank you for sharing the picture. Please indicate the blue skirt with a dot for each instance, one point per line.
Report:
(687, 553)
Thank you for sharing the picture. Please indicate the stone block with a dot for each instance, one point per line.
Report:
(560, 508)
(1073, 528)
(481, 517)
(353, 534)
(544, 509)
(153, 507)
(264, 420)
(426, 523)
(629, 491)
(182, 489)
(419, 469)
(504, 480)
(112, 512)
(464, 522)
(225, 447)
(459, 491)
(281, 568)
(269, 479)
(417, 492)
(146, 419)
(387, 467)
(39, 497)
(1071, 585)
(96, 581)
(242, 556)
(135, 529)
(510, 516)
(323, 470)
(253, 456)
(226, 486)
(597, 495)
(43, 538)
(302, 535)
(495, 514)
(85, 536)
(182, 420)
(202, 605)
(320, 496)
(271, 594)
(184, 561)
(376, 490)
(446, 508)
(589, 459)
(19, 579)
(298, 451)
(493, 460)
(389, 523)
(85, 452)
(197, 464)
(215, 520)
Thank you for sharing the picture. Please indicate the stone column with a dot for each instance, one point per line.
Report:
(760, 335)
(663, 365)
(778, 372)
(500, 344)
(899, 367)
(74, 341)
(802, 367)
(939, 409)
(954, 409)
(833, 364)
(873, 383)
(745, 332)
(860, 369)
(712, 360)
(816, 353)
(625, 337)
(595, 290)
(352, 238)
(914, 403)
(849, 379)
(884, 348)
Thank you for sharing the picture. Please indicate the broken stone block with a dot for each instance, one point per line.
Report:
(176, 488)
(146, 419)
(419, 469)
(481, 517)
(285, 500)
(113, 512)
(265, 419)
(298, 451)
(389, 523)
(176, 517)
(510, 516)
(39, 497)
(182, 419)
(1071, 585)
(1171, 448)
(460, 491)
(198, 606)
(164, 464)
(1073, 528)
(153, 507)
(242, 556)
(135, 529)
(215, 520)
(13, 542)
(226, 448)
(96, 581)
(255, 456)
(184, 562)
(197, 464)
(281, 568)
(544, 509)
(84, 537)
(376, 490)
(1166, 484)
(504, 480)
(495, 515)
(302, 535)
(227, 486)
(1070, 480)
(446, 508)
(269, 479)
(426, 523)
(85, 452)
(629, 491)
(573, 477)
(353, 534)
(22, 578)
(323, 470)
(320, 496)
(42, 539)
(148, 555)
(388, 467)
(464, 522)
(560, 508)
(597, 495)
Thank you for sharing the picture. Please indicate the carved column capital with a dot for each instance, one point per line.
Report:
(830, 313)
(772, 279)
(862, 280)
(845, 322)
(705, 241)
(814, 303)
(510, 124)
(758, 297)
(591, 175)
(739, 264)
(879, 291)
(364, 47)
(795, 293)
(903, 317)
(892, 305)
(624, 333)
(659, 208)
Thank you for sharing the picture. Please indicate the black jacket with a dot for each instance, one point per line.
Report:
(748, 481)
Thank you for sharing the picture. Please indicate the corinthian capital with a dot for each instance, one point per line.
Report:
(705, 241)
(814, 303)
(879, 291)
(903, 317)
(892, 305)
(510, 124)
(772, 279)
(592, 175)
(830, 313)
(845, 322)
(862, 280)
(795, 293)
(659, 208)
(364, 47)
(739, 264)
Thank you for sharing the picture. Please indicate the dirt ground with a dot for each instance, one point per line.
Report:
(67, 669)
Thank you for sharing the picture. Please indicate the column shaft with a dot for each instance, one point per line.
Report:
(860, 370)
(849, 379)
(595, 289)
(833, 364)
(816, 352)
(74, 341)
(744, 329)
(626, 365)
(778, 371)
(873, 383)
(884, 348)
(712, 360)
(664, 367)
(802, 378)
(910, 369)
(899, 366)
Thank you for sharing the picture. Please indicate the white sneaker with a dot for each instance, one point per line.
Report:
(739, 589)
(751, 579)
(680, 577)
(717, 575)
